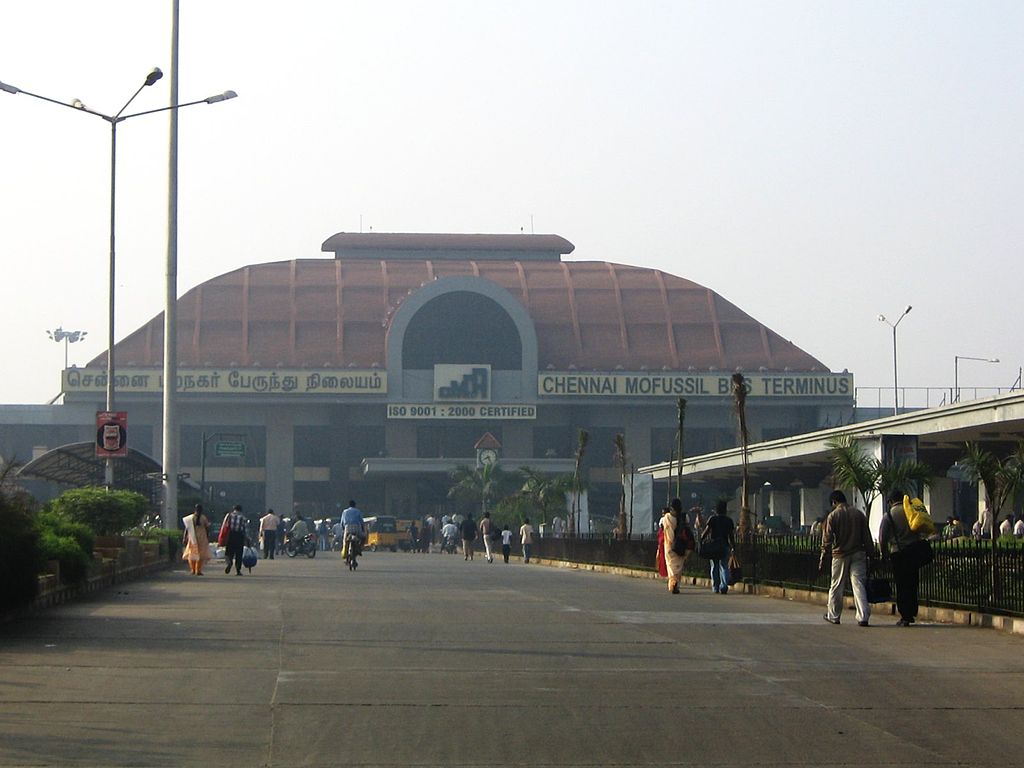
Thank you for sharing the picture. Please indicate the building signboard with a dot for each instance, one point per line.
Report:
(461, 411)
(462, 383)
(665, 384)
(233, 381)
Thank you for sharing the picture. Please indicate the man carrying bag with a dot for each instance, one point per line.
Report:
(913, 552)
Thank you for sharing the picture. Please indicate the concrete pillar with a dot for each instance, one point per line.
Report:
(280, 471)
(938, 497)
(812, 504)
(780, 504)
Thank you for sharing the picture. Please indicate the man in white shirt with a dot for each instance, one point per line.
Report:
(268, 533)
(1018, 528)
(526, 536)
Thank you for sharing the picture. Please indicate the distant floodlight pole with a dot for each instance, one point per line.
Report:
(68, 337)
(956, 371)
(114, 119)
(895, 367)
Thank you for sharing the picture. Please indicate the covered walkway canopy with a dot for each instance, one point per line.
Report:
(940, 434)
(77, 465)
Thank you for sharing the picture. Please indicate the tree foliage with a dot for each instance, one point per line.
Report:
(19, 554)
(480, 485)
(107, 513)
(853, 468)
(545, 493)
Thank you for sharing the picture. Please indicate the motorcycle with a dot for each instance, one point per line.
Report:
(449, 545)
(353, 549)
(304, 546)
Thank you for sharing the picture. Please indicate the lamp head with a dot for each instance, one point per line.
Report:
(9, 88)
(881, 318)
(153, 76)
(905, 311)
(221, 97)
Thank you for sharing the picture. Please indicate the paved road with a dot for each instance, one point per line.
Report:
(427, 660)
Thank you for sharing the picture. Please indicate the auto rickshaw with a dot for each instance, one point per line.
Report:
(381, 533)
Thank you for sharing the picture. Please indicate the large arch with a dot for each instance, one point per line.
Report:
(406, 313)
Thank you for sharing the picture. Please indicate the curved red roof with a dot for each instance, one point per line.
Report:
(335, 313)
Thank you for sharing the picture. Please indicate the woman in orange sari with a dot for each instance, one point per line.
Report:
(670, 521)
(196, 540)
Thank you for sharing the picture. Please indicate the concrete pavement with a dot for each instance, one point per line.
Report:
(428, 660)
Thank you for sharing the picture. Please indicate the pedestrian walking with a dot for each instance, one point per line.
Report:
(506, 542)
(467, 528)
(236, 523)
(912, 553)
(486, 532)
(718, 539)
(846, 540)
(269, 524)
(196, 540)
(676, 543)
(323, 535)
(526, 537)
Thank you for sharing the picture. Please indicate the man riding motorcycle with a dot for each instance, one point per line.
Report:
(299, 529)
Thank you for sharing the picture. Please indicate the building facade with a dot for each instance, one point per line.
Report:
(370, 375)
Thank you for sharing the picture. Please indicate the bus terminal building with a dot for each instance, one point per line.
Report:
(372, 374)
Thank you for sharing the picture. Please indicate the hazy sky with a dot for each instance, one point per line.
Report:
(816, 163)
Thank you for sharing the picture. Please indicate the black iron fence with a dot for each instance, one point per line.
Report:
(961, 575)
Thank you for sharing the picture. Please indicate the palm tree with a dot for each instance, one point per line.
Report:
(739, 394)
(481, 484)
(621, 459)
(853, 468)
(581, 448)
(1002, 479)
(544, 492)
(681, 414)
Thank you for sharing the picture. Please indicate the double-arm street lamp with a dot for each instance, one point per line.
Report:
(956, 371)
(114, 120)
(895, 368)
(58, 334)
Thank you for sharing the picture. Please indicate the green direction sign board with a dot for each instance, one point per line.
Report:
(230, 448)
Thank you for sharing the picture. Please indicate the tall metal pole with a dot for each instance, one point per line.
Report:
(108, 470)
(895, 371)
(170, 425)
(895, 376)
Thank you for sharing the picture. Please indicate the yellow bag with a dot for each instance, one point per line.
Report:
(917, 516)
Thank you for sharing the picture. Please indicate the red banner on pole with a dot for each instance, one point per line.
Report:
(111, 434)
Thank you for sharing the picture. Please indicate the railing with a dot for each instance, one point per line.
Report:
(960, 576)
(913, 398)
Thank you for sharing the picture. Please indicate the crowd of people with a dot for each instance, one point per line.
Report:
(272, 533)
(847, 549)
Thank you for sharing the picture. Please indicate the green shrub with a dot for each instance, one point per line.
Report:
(74, 561)
(107, 513)
(19, 553)
(48, 520)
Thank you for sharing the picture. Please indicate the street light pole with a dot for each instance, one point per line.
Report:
(114, 119)
(58, 334)
(895, 367)
(956, 371)
(170, 388)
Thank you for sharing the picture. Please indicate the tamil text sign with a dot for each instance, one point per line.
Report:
(234, 381)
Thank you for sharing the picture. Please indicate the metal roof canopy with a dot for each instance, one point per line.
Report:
(997, 422)
(77, 465)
